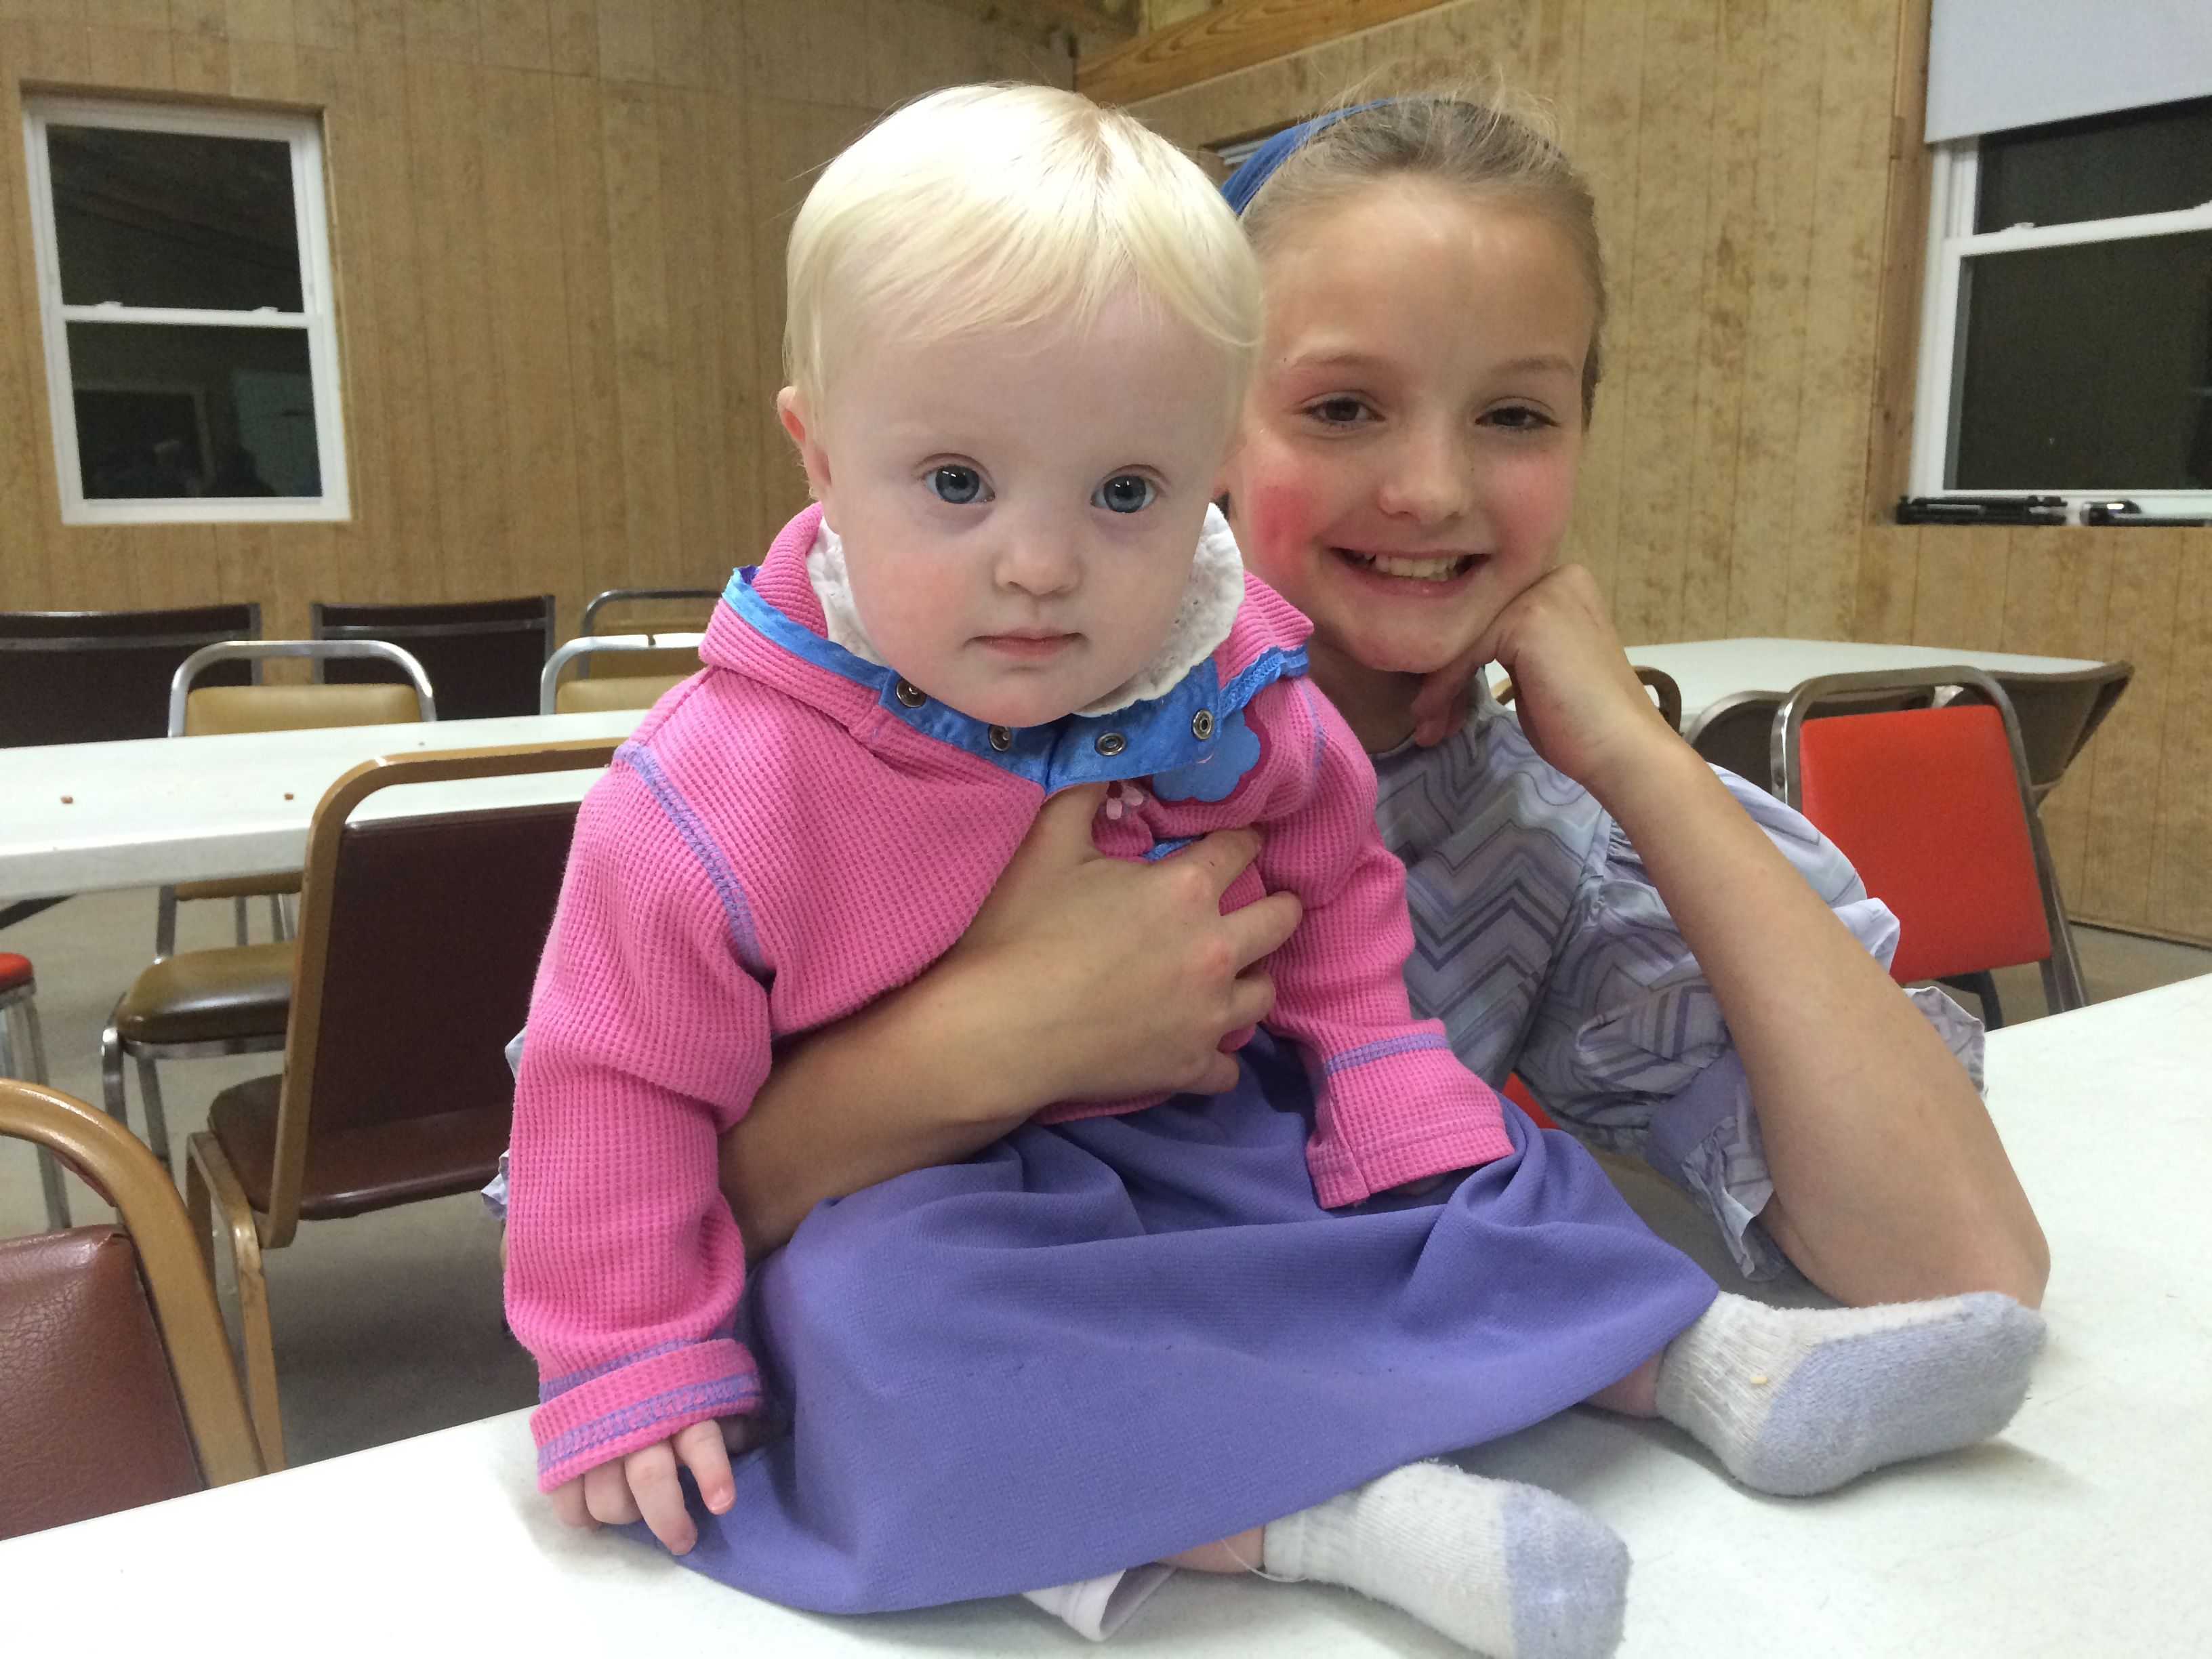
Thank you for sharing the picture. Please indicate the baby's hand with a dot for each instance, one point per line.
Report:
(643, 1485)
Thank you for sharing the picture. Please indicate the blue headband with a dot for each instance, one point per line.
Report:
(1241, 186)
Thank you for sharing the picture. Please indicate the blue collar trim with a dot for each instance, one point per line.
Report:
(1159, 735)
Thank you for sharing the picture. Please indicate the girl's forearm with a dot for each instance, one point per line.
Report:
(1890, 1182)
(915, 1078)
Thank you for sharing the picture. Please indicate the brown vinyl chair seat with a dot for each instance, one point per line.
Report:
(371, 1166)
(210, 996)
(116, 1383)
(93, 1422)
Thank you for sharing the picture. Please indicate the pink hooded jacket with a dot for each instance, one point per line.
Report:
(795, 831)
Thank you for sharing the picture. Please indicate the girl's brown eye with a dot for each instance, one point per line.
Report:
(1339, 411)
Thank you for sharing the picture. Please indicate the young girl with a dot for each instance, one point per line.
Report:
(1231, 1325)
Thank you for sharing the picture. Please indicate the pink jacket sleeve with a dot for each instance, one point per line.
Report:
(1392, 1102)
(648, 1035)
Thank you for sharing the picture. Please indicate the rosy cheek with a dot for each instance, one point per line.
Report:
(1279, 517)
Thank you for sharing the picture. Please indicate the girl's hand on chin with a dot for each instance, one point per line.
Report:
(1580, 702)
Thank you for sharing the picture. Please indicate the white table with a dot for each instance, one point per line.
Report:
(1709, 670)
(82, 817)
(2087, 1529)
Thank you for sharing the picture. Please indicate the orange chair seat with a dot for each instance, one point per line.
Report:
(351, 1171)
(1518, 1091)
(1926, 806)
(14, 971)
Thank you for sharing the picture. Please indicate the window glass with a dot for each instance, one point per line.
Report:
(170, 411)
(2088, 367)
(174, 219)
(2109, 167)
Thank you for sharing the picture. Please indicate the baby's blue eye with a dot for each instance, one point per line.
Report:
(959, 485)
(1125, 492)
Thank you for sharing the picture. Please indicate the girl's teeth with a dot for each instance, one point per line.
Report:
(1420, 570)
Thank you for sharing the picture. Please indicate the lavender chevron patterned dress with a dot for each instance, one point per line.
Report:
(1542, 944)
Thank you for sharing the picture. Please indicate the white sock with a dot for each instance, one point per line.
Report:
(1798, 1400)
(1509, 1570)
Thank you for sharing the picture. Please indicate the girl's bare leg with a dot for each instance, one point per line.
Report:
(1237, 1554)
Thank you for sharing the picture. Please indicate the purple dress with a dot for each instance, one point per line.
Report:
(1099, 1342)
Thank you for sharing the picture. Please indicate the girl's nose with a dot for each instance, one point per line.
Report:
(1429, 479)
(1038, 559)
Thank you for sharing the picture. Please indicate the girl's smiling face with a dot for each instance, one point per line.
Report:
(1410, 441)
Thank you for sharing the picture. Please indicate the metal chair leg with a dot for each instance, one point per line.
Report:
(211, 1184)
(238, 917)
(34, 1052)
(157, 1121)
(113, 1094)
(277, 931)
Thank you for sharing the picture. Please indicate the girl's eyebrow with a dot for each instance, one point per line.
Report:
(1544, 362)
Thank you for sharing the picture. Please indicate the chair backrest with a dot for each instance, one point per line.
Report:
(116, 1383)
(483, 656)
(663, 659)
(1665, 693)
(2058, 713)
(96, 676)
(419, 940)
(1934, 809)
(1736, 732)
(618, 599)
(205, 710)
(597, 696)
(626, 602)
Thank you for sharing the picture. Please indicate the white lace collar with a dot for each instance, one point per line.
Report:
(1201, 622)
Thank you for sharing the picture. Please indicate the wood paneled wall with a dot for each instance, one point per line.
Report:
(1737, 484)
(558, 227)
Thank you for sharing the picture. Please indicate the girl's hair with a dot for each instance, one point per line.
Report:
(988, 207)
(1481, 145)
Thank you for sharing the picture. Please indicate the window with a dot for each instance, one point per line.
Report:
(184, 295)
(2066, 328)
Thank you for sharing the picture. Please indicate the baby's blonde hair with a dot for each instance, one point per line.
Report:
(987, 208)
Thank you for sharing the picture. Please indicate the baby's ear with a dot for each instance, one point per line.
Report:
(798, 421)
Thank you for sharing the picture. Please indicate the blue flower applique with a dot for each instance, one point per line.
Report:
(1235, 752)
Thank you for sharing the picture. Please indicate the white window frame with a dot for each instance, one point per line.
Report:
(302, 133)
(1952, 240)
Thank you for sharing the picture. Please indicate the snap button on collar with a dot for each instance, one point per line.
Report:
(1111, 743)
(1001, 739)
(909, 694)
(1201, 725)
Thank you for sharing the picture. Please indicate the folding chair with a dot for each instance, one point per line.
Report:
(483, 655)
(1935, 808)
(626, 602)
(1736, 732)
(2058, 714)
(588, 693)
(116, 1392)
(234, 1000)
(419, 940)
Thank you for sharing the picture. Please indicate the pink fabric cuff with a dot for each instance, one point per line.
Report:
(608, 1411)
(1400, 1118)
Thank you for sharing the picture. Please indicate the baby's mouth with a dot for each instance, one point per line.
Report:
(1429, 569)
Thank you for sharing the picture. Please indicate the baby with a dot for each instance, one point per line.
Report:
(1019, 329)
